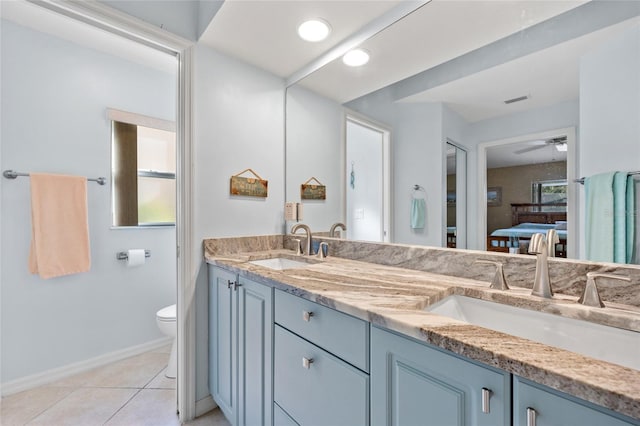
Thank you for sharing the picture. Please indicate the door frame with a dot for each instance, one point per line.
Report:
(572, 194)
(132, 28)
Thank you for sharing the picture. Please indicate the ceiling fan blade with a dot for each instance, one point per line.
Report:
(531, 148)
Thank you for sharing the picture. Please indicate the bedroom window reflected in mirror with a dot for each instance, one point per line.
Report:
(143, 151)
(549, 191)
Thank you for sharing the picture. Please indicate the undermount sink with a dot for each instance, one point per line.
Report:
(279, 263)
(598, 341)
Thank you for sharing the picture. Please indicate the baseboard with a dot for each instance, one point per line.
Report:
(39, 379)
(205, 405)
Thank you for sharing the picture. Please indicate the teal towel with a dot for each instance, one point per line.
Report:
(418, 213)
(631, 216)
(599, 228)
(610, 217)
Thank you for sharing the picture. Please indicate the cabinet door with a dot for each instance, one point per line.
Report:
(223, 341)
(316, 388)
(255, 349)
(553, 408)
(415, 384)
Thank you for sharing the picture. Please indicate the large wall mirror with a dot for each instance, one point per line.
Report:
(495, 83)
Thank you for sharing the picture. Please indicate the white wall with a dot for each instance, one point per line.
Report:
(239, 124)
(54, 96)
(315, 148)
(610, 109)
(418, 150)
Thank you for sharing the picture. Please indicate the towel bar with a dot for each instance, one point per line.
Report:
(124, 256)
(581, 180)
(12, 174)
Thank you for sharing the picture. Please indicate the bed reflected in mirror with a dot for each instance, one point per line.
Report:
(527, 193)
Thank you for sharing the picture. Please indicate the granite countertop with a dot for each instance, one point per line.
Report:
(394, 298)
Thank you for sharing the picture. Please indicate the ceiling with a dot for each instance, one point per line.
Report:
(508, 155)
(548, 77)
(44, 20)
(264, 33)
(436, 33)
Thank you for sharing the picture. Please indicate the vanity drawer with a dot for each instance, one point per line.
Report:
(343, 335)
(280, 418)
(323, 390)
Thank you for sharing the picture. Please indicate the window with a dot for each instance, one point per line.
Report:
(550, 191)
(143, 172)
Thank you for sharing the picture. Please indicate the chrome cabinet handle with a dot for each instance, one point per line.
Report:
(306, 315)
(531, 416)
(234, 284)
(306, 362)
(486, 397)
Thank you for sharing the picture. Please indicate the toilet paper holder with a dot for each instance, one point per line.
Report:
(123, 255)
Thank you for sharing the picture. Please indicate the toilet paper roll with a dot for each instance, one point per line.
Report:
(135, 257)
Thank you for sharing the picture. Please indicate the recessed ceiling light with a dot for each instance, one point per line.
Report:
(356, 57)
(314, 30)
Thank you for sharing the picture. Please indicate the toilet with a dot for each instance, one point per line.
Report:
(166, 319)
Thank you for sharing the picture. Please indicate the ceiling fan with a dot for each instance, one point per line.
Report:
(560, 143)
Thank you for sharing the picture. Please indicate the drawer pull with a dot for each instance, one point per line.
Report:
(306, 315)
(306, 362)
(230, 283)
(486, 397)
(531, 417)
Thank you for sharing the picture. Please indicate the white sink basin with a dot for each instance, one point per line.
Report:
(280, 263)
(594, 340)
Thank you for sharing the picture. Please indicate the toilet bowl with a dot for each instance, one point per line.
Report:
(166, 319)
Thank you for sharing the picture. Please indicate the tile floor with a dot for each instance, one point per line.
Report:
(130, 392)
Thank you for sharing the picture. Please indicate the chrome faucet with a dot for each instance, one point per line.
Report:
(590, 295)
(307, 230)
(499, 282)
(552, 240)
(541, 282)
(332, 231)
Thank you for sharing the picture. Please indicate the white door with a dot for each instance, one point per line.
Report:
(367, 181)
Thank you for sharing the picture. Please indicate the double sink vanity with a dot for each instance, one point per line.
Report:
(377, 334)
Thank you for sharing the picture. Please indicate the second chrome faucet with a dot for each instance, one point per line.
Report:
(541, 281)
(307, 230)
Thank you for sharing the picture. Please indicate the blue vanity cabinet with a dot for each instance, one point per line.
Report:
(321, 365)
(538, 405)
(413, 383)
(223, 343)
(241, 347)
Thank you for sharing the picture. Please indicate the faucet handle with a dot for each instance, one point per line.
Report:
(499, 282)
(321, 253)
(552, 239)
(591, 295)
(298, 247)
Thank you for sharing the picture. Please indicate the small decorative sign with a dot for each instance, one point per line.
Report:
(309, 191)
(246, 186)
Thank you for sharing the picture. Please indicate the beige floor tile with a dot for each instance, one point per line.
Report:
(134, 372)
(150, 407)
(212, 418)
(19, 408)
(86, 407)
(161, 382)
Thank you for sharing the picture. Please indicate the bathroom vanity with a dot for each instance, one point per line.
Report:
(298, 340)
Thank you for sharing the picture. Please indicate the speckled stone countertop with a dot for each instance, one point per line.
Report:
(394, 298)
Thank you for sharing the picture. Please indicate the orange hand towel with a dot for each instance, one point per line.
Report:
(59, 225)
